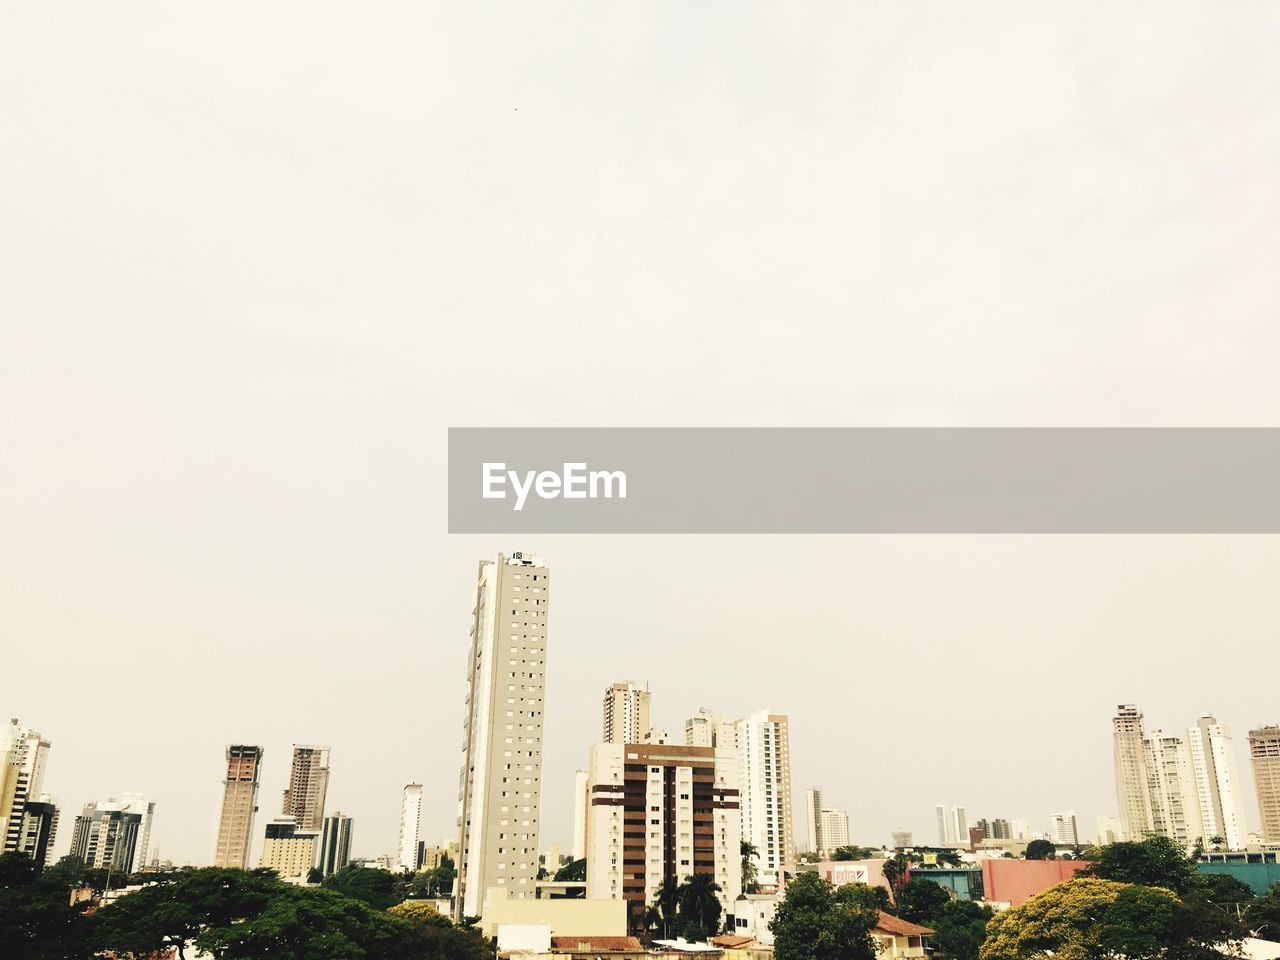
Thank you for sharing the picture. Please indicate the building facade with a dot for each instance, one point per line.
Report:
(408, 849)
(707, 729)
(335, 844)
(1175, 806)
(23, 754)
(764, 752)
(661, 813)
(499, 790)
(308, 784)
(1217, 783)
(953, 826)
(106, 836)
(1264, 756)
(1132, 789)
(288, 849)
(1063, 829)
(626, 713)
(239, 806)
(39, 830)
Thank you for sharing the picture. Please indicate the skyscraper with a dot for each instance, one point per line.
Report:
(308, 784)
(707, 729)
(579, 815)
(953, 826)
(1175, 806)
(1213, 767)
(1063, 829)
(626, 713)
(500, 783)
(39, 830)
(828, 827)
(335, 843)
(660, 813)
(239, 805)
(146, 809)
(1132, 788)
(813, 818)
(410, 827)
(23, 753)
(1264, 755)
(106, 836)
(765, 779)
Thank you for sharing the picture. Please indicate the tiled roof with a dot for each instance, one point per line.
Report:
(595, 943)
(731, 942)
(888, 923)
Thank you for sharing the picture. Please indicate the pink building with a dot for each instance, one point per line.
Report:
(1013, 881)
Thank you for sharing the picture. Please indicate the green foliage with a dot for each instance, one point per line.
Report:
(575, 871)
(750, 870)
(1087, 917)
(812, 923)
(852, 853)
(861, 894)
(922, 901)
(1040, 850)
(36, 922)
(697, 908)
(960, 929)
(436, 882)
(378, 888)
(1153, 862)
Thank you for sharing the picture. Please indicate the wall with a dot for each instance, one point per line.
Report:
(1013, 881)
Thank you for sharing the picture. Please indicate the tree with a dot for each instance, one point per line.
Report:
(960, 929)
(436, 882)
(851, 853)
(1040, 850)
(862, 894)
(812, 923)
(922, 901)
(1088, 917)
(378, 888)
(749, 869)
(895, 871)
(36, 920)
(575, 871)
(1153, 862)
(698, 907)
(1218, 842)
(664, 910)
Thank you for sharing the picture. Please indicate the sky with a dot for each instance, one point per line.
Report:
(256, 259)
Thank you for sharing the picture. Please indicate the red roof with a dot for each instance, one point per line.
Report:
(896, 925)
(596, 943)
(730, 942)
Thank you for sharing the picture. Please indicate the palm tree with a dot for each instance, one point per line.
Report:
(663, 910)
(700, 908)
(1217, 842)
(749, 870)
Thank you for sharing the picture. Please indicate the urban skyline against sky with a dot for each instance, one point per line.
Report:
(1058, 756)
(240, 308)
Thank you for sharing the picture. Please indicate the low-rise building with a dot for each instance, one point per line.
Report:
(896, 937)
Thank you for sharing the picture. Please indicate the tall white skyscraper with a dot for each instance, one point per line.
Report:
(500, 783)
(146, 809)
(764, 751)
(828, 827)
(579, 851)
(1175, 805)
(1063, 829)
(1213, 766)
(707, 729)
(953, 826)
(1109, 830)
(1264, 756)
(410, 826)
(813, 818)
(23, 753)
(626, 713)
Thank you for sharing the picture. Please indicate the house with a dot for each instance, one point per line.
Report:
(597, 948)
(896, 937)
(752, 914)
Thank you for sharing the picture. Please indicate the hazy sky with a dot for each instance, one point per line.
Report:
(256, 258)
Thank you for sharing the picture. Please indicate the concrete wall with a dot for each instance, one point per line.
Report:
(1013, 881)
(565, 918)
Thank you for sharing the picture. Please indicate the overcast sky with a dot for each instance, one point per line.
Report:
(256, 258)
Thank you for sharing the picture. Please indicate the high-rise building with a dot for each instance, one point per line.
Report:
(661, 813)
(707, 729)
(764, 755)
(39, 830)
(308, 784)
(1021, 829)
(579, 814)
(335, 843)
(239, 806)
(1175, 806)
(23, 754)
(106, 836)
(139, 804)
(953, 826)
(288, 849)
(902, 839)
(1063, 830)
(1264, 755)
(626, 713)
(997, 829)
(1132, 788)
(1109, 829)
(410, 827)
(1213, 768)
(828, 827)
(499, 792)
